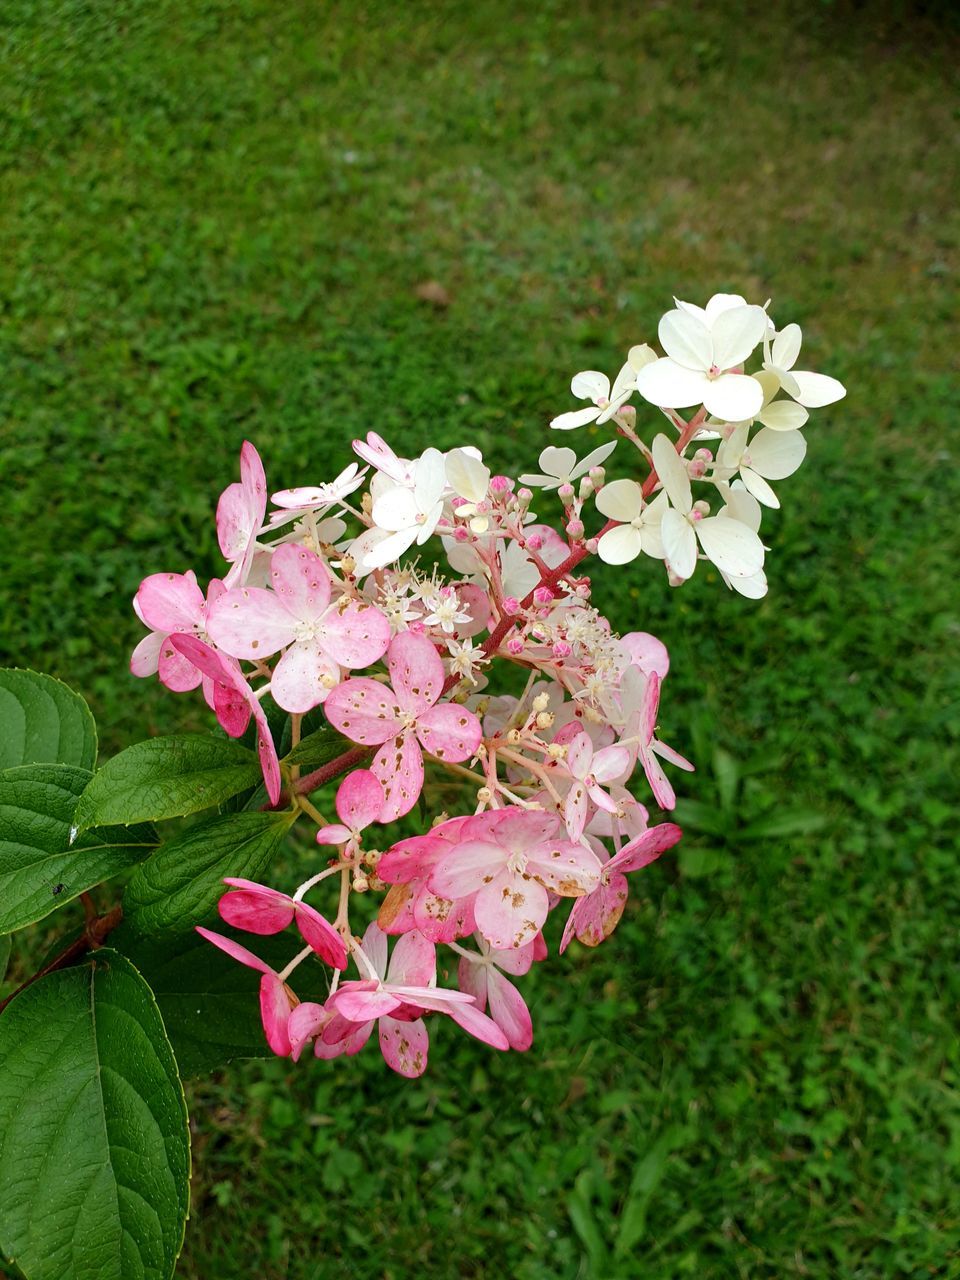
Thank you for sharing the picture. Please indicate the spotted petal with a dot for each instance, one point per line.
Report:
(363, 710)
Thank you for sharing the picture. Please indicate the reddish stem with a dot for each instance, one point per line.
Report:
(91, 938)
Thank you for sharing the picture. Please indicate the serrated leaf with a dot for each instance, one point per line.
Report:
(166, 778)
(42, 721)
(319, 748)
(179, 887)
(40, 869)
(94, 1143)
(785, 822)
(210, 1003)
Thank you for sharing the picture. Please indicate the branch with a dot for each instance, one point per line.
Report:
(91, 938)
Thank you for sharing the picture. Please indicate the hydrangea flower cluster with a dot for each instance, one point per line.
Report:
(396, 596)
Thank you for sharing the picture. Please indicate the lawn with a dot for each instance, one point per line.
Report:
(217, 221)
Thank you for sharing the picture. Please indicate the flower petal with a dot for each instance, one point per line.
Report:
(511, 910)
(404, 1046)
(509, 1011)
(359, 799)
(679, 543)
(449, 732)
(686, 340)
(250, 622)
(620, 500)
(303, 678)
(399, 766)
(416, 671)
(732, 547)
(671, 385)
(301, 580)
(320, 935)
(814, 390)
(364, 710)
(733, 397)
(736, 332)
(672, 473)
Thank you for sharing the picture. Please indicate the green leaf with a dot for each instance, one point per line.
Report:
(580, 1209)
(40, 869)
(319, 748)
(166, 778)
(94, 1144)
(646, 1178)
(6, 946)
(727, 774)
(43, 722)
(784, 822)
(210, 1003)
(180, 885)
(693, 815)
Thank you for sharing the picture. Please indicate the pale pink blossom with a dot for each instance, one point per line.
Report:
(240, 513)
(358, 804)
(479, 974)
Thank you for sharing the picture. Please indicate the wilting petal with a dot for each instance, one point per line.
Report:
(441, 919)
(467, 868)
(404, 1046)
(511, 910)
(449, 732)
(566, 867)
(399, 767)
(595, 917)
(306, 1021)
(364, 710)
(646, 848)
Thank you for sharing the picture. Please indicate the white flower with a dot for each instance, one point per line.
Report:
(408, 516)
(445, 609)
(295, 503)
(770, 455)
(470, 479)
(378, 453)
(640, 528)
(560, 466)
(700, 352)
(732, 546)
(595, 386)
(814, 390)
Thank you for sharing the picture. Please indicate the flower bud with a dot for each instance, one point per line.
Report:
(556, 751)
(514, 737)
(545, 720)
(535, 541)
(525, 496)
(561, 650)
(484, 795)
(511, 604)
(541, 702)
(575, 530)
(500, 485)
(515, 646)
(543, 595)
(587, 488)
(360, 882)
(566, 492)
(628, 414)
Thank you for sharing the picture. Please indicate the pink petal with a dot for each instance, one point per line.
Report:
(396, 910)
(579, 753)
(478, 1025)
(267, 752)
(176, 672)
(235, 950)
(649, 707)
(565, 866)
(416, 671)
(360, 1001)
(575, 810)
(511, 910)
(355, 635)
(404, 1046)
(342, 1036)
(449, 732)
(359, 799)
(472, 978)
(520, 962)
(333, 834)
(440, 919)
(319, 934)
(145, 657)
(374, 943)
(399, 767)
(410, 859)
(364, 711)
(663, 792)
(647, 652)
(275, 1014)
(306, 1021)
(301, 581)
(231, 708)
(171, 602)
(467, 868)
(646, 848)
(250, 622)
(256, 910)
(595, 917)
(509, 1011)
(304, 677)
(611, 764)
(414, 962)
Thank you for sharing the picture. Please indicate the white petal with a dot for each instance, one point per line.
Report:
(679, 543)
(593, 459)
(686, 340)
(390, 549)
(783, 415)
(735, 334)
(615, 405)
(743, 506)
(467, 476)
(557, 460)
(753, 587)
(777, 454)
(721, 302)
(817, 389)
(591, 384)
(575, 418)
(731, 451)
(692, 309)
(640, 356)
(430, 478)
(669, 385)
(733, 548)
(620, 500)
(396, 509)
(759, 488)
(786, 347)
(733, 397)
(620, 545)
(625, 380)
(672, 473)
(769, 381)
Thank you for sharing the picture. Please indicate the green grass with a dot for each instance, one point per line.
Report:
(215, 218)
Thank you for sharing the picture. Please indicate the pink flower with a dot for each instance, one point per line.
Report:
(480, 975)
(591, 770)
(403, 719)
(411, 903)
(253, 623)
(647, 652)
(257, 909)
(395, 999)
(641, 726)
(235, 703)
(510, 858)
(276, 998)
(240, 513)
(595, 917)
(359, 800)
